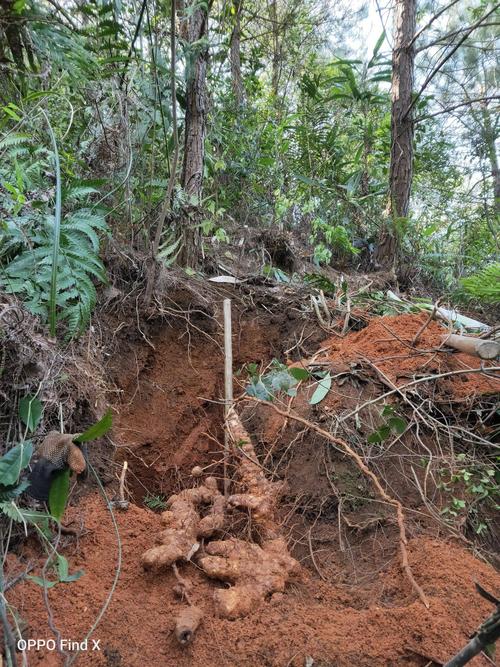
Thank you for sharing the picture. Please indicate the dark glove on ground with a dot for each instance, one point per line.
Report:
(57, 452)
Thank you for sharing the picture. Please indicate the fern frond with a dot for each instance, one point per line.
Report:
(14, 139)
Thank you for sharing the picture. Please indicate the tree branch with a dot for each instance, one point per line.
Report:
(430, 22)
(136, 34)
(446, 57)
(449, 35)
(456, 106)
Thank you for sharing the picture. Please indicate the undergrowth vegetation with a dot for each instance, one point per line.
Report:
(298, 139)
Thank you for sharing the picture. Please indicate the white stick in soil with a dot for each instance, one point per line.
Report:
(228, 382)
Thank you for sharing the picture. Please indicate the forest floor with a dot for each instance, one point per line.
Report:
(350, 604)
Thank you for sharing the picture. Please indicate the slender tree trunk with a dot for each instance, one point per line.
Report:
(167, 203)
(235, 58)
(490, 136)
(402, 131)
(367, 149)
(194, 31)
(273, 15)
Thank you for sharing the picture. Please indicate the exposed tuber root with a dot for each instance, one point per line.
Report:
(186, 624)
(185, 526)
(261, 495)
(254, 571)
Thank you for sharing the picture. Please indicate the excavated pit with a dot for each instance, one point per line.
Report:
(170, 386)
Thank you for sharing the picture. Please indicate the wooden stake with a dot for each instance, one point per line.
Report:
(228, 382)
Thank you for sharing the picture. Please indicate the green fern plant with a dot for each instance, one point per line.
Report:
(50, 259)
(29, 274)
(484, 285)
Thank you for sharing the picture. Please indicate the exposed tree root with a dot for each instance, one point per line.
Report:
(366, 471)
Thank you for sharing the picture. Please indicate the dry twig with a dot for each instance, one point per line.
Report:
(425, 324)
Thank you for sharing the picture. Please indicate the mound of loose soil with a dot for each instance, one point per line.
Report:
(387, 342)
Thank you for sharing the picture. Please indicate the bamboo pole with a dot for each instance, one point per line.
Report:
(228, 383)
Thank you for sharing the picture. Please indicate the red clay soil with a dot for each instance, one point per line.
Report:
(387, 343)
(170, 415)
(312, 618)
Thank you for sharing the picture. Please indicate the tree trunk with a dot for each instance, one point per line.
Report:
(490, 136)
(194, 31)
(236, 78)
(402, 131)
(276, 71)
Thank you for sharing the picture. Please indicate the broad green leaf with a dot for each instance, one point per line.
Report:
(257, 389)
(397, 424)
(62, 567)
(299, 373)
(58, 494)
(385, 432)
(30, 411)
(322, 389)
(374, 437)
(15, 460)
(10, 112)
(280, 381)
(98, 429)
(63, 570)
(379, 43)
(74, 577)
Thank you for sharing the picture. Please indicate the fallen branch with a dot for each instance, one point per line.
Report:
(485, 349)
(366, 471)
(425, 324)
